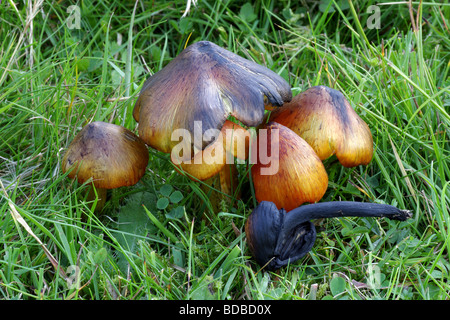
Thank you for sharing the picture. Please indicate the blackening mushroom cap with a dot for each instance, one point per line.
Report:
(200, 89)
(271, 247)
(109, 154)
(277, 238)
(324, 118)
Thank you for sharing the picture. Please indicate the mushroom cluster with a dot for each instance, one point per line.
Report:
(199, 108)
(314, 125)
(185, 108)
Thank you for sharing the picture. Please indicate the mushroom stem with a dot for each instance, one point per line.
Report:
(215, 165)
(336, 209)
(228, 179)
(98, 194)
(222, 186)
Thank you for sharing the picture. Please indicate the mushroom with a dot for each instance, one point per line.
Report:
(216, 163)
(290, 172)
(324, 118)
(110, 155)
(198, 90)
(277, 238)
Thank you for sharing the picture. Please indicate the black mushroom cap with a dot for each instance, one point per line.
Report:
(202, 87)
(277, 238)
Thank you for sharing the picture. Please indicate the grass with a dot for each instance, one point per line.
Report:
(160, 239)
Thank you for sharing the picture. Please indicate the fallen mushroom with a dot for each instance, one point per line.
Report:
(324, 118)
(277, 238)
(291, 173)
(198, 90)
(108, 154)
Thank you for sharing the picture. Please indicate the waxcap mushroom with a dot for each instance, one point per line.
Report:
(215, 165)
(199, 89)
(325, 119)
(276, 237)
(232, 142)
(111, 155)
(294, 174)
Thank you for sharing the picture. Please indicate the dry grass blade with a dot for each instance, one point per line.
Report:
(188, 7)
(403, 171)
(32, 12)
(18, 218)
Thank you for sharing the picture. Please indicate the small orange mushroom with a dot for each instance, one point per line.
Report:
(218, 158)
(324, 118)
(294, 174)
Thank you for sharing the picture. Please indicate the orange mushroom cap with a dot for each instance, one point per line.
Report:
(232, 142)
(294, 174)
(324, 118)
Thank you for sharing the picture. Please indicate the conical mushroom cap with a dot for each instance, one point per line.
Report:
(109, 154)
(324, 118)
(291, 176)
(199, 89)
